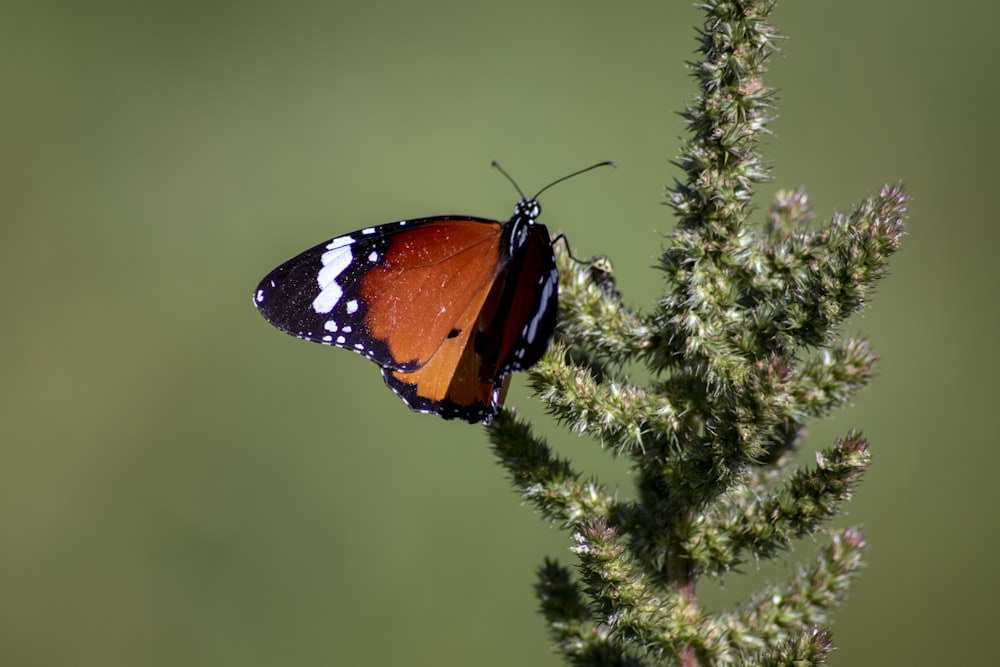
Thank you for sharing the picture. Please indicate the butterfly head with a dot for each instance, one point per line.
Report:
(528, 210)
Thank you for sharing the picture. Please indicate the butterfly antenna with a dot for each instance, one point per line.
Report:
(496, 165)
(606, 163)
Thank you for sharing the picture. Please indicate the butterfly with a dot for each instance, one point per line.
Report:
(448, 306)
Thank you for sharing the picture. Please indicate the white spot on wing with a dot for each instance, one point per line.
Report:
(373, 257)
(352, 306)
(368, 231)
(339, 242)
(335, 260)
(330, 326)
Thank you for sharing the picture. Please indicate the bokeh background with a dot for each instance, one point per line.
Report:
(180, 484)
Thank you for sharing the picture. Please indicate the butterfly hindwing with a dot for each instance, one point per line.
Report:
(510, 329)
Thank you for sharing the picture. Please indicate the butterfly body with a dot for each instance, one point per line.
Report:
(447, 306)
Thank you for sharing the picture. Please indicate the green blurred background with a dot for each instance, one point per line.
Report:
(180, 484)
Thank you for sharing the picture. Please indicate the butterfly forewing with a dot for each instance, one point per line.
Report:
(392, 293)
